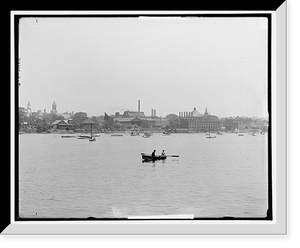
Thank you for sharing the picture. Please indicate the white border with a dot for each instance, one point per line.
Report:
(188, 227)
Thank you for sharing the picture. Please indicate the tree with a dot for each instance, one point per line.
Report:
(108, 121)
(171, 116)
(174, 121)
(79, 117)
(22, 115)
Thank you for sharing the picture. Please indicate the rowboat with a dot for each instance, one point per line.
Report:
(83, 137)
(153, 158)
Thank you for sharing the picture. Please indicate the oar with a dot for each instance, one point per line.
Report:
(174, 155)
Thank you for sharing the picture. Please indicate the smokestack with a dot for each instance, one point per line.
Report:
(139, 107)
(154, 112)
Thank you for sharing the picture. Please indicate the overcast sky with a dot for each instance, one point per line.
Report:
(98, 65)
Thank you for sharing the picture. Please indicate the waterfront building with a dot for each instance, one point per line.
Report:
(195, 121)
(133, 114)
(205, 124)
(86, 125)
(135, 122)
(161, 122)
(137, 118)
(128, 122)
(62, 125)
(237, 123)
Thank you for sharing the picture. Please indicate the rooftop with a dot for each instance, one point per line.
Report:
(195, 113)
(65, 122)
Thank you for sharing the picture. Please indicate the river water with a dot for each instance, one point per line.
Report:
(67, 177)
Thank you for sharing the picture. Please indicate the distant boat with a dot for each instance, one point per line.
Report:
(146, 135)
(240, 134)
(166, 133)
(68, 136)
(209, 136)
(92, 139)
(134, 133)
(219, 133)
(116, 135)
(83, 136)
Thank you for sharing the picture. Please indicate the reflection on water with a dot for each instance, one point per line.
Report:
(226, 176)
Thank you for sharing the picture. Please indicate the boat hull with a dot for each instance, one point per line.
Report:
(153, 158)
(83, 137)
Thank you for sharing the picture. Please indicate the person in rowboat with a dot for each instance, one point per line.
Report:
(163, 153)
(153, 154)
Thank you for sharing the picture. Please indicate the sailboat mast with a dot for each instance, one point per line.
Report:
(91, 130)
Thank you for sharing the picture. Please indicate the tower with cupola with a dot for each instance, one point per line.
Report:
(206, 113)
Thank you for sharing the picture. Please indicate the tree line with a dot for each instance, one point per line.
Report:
(43, 123)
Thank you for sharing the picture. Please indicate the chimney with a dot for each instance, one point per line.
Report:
(151, 112)
(139, 107)
(154, 112)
